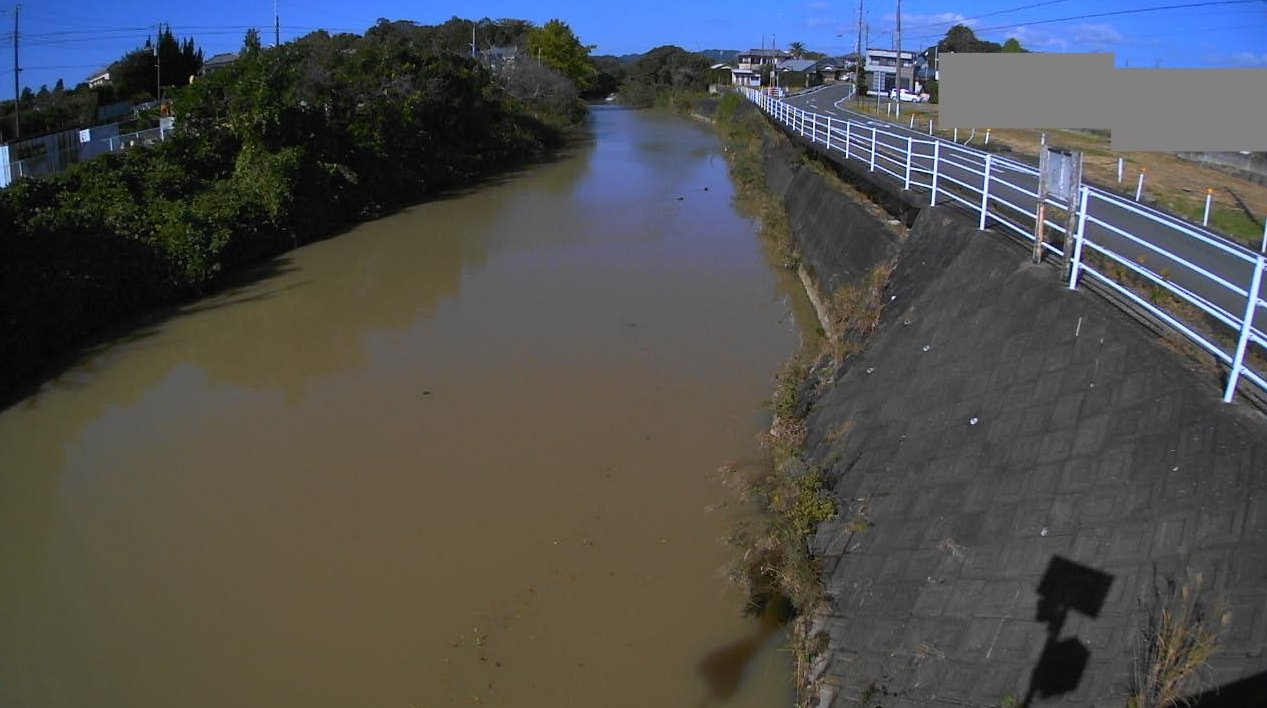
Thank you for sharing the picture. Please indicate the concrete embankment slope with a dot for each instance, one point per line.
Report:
(1030, 463)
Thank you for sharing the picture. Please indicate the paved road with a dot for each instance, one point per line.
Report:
(1229, 261)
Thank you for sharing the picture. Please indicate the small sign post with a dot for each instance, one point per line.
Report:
(1059, 179)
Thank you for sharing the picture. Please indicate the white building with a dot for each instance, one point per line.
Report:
(882, 69)
(748, 71)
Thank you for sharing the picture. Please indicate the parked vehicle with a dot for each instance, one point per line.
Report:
(905, 95)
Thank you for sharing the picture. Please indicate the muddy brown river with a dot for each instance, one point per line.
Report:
(463, 455)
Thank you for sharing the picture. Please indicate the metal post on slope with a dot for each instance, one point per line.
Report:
(985, 192)
(936, 167)
(909, 151)
(872, 148)
(1071, 194)
(1247, 325)
(1205, 218)
(1083, 205)
(1139, 188)
(1040, 220)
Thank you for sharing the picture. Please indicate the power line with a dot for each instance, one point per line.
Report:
(1112, 13)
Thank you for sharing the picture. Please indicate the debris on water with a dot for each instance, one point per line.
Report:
(870, 369)
(926, 347)
(681, 199)
(1043, 533)
(426, 392)
(972, 422)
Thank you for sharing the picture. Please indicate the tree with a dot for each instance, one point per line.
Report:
(1012, 46)
(961, 38)
(557, 47)
(251, 42)
(796, 49)
(664, 71)
(136, 73)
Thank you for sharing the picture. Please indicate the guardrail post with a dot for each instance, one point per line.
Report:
(848, 123)
(873, 148)
(985, 192)
(936, 164)
(828, 133)
(909, 150)
(1076, 262)
(1247, 324)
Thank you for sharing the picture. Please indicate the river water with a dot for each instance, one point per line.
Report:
(463, 455)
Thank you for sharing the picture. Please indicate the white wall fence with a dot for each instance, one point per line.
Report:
(1182, 266)
(50, 154)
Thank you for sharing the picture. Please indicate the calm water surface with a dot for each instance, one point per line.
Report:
(465, 454)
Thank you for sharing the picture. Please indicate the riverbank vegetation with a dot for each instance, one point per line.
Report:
(773, 562)
(744, 133)
(282, 147)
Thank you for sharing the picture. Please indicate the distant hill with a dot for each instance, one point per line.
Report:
(621, 59)
(714, 55)
(721, 55)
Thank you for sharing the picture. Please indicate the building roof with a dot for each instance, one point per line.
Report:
(221, 59)
(103, 72)
(779, 53)
(796, 64)
(889, 52)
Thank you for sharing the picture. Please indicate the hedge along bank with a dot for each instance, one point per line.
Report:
(282, 148)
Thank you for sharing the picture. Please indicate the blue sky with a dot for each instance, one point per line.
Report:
(71, 38)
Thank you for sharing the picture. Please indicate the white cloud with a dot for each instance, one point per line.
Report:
(1097, 37)
(1245, 60)
(1075, 38)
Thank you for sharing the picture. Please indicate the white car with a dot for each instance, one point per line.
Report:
(905, 95)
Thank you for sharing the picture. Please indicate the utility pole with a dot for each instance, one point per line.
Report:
(898, 40)
(158, 65)
(277, 26)
(472, 39)
(17, 94)
(857, 53)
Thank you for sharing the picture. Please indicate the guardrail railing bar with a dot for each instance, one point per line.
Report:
(1247, 324)
(885, 148)
(1201, 303)
(1161, 314)
(1177, 259)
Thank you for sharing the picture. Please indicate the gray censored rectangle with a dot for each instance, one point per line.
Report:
(1164, 110)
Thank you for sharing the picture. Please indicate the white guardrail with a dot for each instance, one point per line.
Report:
(1220, 279)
